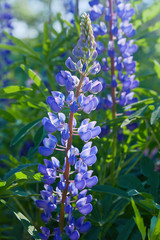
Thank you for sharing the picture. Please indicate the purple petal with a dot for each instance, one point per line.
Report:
(89, 198)
(74, 235)
(70, 64)
(86, 136)
(48, 163)
(45, 231)
(42, 169)
(91, 181)
(96, 131)
(90, 160)
(80, 184)
(81, 202)
(86, 209)
(82, 193)
(60, 79)
(41, 204)
(44, 151)
(85, 227)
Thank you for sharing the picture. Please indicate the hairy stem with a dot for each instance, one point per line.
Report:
(67, 167)
(113, 93)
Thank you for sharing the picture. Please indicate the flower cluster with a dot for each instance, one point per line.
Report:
(115, 17)
(70, 9)
(5, 25)
(73, 177)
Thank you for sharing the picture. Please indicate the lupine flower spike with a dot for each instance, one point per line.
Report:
(115, 20)
(71, 174)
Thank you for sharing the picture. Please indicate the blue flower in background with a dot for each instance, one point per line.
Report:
(115, 21)
(5, 25)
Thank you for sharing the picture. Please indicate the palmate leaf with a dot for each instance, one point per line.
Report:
(26, 223)
(23, 131)
(36, 80)
(138, 220)
(129, 182)
(126, 230)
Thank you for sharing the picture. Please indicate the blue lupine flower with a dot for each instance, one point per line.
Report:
(6, 25)
(45, 233)
(75, 162)
(56, 102)
(49, 145)
(121, 61)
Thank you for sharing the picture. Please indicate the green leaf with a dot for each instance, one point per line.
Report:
(23, 131)
(126, 122)
(26, 223)
(145, 92)
(27, 166)
(126, 230)
(110, 190)
(26, 47)
(155, 115)
(130, 181)
(19, 50)
(139, 220)
(10, 90)
(156, 68)
(152, 225)
(23, 177)
(133, 192)
(156, 231)
(36, 79)
(6, 115)
(151, 12)
(2, 183)
(147, 168)
(37, 140)
(139, 113)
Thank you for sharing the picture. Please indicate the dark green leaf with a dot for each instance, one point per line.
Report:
(110, 190)
(130, 181)
(23, 131)
(126, 231)
(26, 223)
